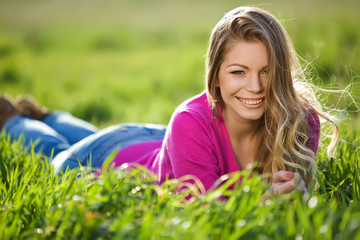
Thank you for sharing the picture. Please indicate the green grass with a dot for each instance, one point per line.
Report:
(135, 61)
(80, 205)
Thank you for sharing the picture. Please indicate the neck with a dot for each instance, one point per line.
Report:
(241, 130)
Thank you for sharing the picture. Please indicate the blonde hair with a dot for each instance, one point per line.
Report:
(290, 100)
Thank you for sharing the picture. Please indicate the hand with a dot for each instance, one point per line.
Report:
(284, 182)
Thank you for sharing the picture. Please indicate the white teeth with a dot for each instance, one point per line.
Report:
(251, 102)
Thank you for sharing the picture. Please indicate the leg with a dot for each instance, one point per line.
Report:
(72, 128)
(46, 139)
(95, 149)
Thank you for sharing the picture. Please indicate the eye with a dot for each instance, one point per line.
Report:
(265, 72)
(238, 72)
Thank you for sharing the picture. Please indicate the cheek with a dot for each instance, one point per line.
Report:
(265, 83)
(226, 87)
(228, 83)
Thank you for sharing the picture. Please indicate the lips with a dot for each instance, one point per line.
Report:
(251, 103)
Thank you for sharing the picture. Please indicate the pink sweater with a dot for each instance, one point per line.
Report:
(195, 143)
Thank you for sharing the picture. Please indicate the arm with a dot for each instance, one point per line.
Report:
(191, 149)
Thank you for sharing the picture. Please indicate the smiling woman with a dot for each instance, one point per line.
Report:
(257, 108)
(287, 134)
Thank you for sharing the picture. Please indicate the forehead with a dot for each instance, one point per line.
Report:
(251, 52)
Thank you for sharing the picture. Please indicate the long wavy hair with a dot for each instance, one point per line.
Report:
(290, 99)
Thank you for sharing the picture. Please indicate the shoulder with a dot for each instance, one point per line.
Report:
(193, 117)
(195, 108)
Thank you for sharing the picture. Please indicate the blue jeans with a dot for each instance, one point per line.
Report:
(69, 141)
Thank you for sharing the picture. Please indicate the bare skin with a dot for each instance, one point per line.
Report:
(285, 182)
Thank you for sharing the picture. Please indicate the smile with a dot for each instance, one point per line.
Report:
(253, 103)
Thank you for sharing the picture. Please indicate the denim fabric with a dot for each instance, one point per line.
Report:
(72, 128)
(72, 141)
(46, 139)
(94, 150)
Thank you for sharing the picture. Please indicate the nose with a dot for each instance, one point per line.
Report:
(255, 84)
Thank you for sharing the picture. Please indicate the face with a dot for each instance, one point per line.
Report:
(243, 76)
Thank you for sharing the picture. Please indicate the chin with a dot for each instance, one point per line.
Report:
(252, 117)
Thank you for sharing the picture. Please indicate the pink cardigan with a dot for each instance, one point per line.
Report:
(195, 143)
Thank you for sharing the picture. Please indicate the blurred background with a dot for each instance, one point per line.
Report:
(111, 61)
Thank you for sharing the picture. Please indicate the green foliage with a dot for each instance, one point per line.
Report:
(128, 204)
(339, 176)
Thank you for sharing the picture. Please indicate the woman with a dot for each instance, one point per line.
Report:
(257, 108)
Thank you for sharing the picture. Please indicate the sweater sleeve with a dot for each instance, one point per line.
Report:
(191, 149)
(314, 131)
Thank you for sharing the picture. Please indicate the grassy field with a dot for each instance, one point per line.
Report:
(135, 61)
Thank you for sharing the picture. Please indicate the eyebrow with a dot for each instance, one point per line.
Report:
(243, 66)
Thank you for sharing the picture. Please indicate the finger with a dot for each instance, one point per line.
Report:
(284, 188)
(299, 182)
(297, 177)
(282, 176)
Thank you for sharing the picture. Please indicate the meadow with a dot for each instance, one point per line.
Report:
(134, 61)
